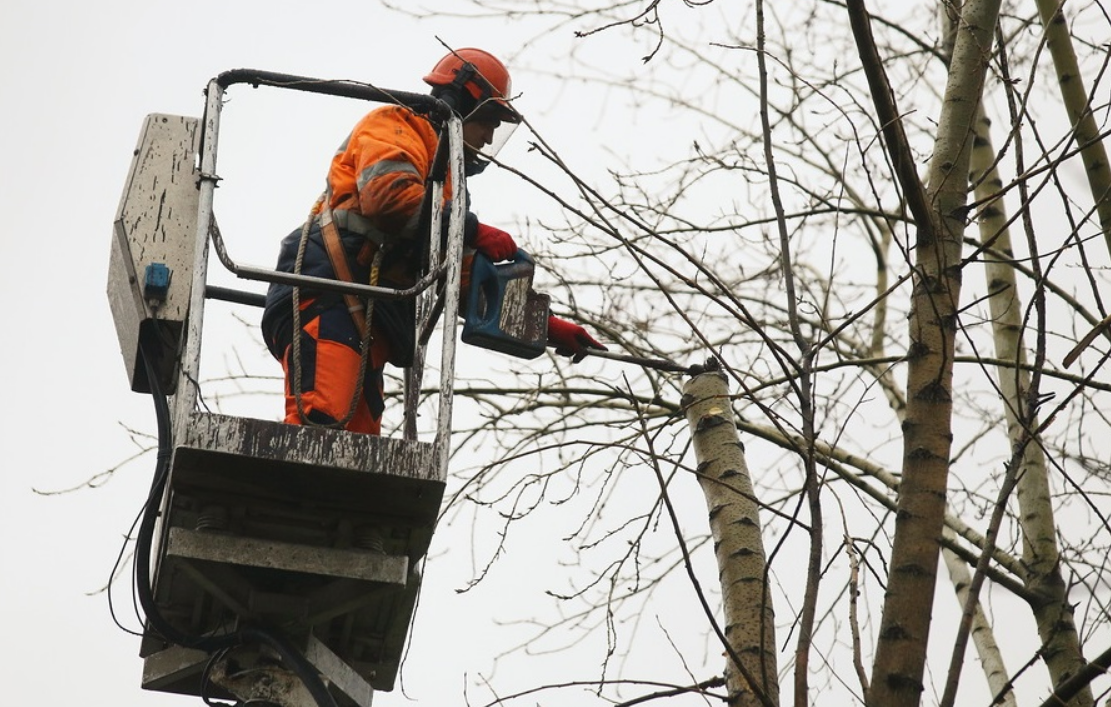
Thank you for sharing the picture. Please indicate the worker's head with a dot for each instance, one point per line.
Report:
(477, 86)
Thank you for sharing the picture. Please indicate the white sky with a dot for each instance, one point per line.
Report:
(77, 80)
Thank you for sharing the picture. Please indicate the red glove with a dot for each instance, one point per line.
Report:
(494, 243)
(570, 339)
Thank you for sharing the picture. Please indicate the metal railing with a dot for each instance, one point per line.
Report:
(434, 304)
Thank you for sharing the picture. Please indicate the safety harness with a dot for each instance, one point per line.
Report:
(361, 314)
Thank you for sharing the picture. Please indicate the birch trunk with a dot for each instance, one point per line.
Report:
(738, 544)
(1078, 104)
(927, 431)
(1052, 612)
(983, 637)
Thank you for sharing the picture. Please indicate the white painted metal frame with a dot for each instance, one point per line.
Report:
(447, 260)
(216, 434)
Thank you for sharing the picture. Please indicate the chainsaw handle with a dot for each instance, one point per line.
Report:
(503, 313)
(485, 280)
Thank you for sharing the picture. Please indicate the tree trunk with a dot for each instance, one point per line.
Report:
(1078, 104)
(995, 671)
(927, 431)
(738, 544)
(1040, 556)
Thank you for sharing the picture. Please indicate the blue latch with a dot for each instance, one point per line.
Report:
(156, 282)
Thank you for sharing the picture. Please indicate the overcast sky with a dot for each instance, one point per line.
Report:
(77, 80)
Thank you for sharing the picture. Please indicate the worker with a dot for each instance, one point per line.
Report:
(374, 197)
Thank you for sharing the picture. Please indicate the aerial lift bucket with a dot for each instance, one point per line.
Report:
(316, 533)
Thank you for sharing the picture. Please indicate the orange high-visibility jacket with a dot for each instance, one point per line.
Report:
(378, 174)
(376, 183)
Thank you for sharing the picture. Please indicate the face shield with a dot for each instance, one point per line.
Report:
(487, 128)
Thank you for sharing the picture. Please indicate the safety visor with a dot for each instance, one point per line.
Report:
(507, 119)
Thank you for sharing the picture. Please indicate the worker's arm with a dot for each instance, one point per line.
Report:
(570, 339)
(385, 162)
(492, 242)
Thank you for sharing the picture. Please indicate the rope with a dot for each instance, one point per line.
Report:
(367, 335)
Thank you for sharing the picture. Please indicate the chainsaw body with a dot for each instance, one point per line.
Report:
(502, 312)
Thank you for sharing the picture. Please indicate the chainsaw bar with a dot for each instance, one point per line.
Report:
(656, 363)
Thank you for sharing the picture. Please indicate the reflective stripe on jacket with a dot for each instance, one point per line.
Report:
(377, 182)
(377, 175)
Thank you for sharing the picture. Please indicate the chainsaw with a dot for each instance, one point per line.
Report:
(504, 314)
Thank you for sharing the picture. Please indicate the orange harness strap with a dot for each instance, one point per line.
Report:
(340, 266)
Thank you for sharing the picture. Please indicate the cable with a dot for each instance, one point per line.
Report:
(248, 634)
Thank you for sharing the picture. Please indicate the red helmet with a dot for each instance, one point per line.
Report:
(481, 73)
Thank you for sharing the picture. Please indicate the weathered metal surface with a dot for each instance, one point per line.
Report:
(172, 667)
(342, 675)
(313, 532)
(262, 684)
(271, 460)
(362, 623)
(164, 670)
(364, 565)
(155, 223)
(453, 260)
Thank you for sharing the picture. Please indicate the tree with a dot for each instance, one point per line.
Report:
(791, 190)
(795, 139)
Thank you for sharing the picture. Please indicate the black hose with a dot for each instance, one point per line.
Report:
(144, 542)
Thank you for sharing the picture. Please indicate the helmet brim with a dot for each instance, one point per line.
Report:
(494, 109)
